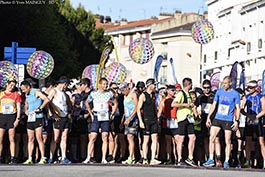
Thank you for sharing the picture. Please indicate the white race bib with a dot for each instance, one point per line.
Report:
(103, 116)
(223, 109)
(32, 117)
(7, 108)
(126, 112)
(206, 107)
(172, 123)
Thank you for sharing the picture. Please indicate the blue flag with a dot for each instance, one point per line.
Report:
(158, 63)
(233, 75)
(173, 71)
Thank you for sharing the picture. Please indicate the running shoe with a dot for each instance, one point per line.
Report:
(28, 162)
(155, 162)
(129, 161)
(42, 161)
(13, 161)
(65, 161)
(104, 161)
(226, 165)
(145, 162)
(50, 161)
(209, 163)
(86, 161)
(246, 165)
(190, 162)
(168, 162)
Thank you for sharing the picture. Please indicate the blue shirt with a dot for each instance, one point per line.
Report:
(34, 102)
(227, 101)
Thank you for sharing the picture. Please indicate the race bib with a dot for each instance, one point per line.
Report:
(32, 117)
(103, 116)
(223, 109)
(206, 107)
(8, 108)
(126, 112)
(172, 123)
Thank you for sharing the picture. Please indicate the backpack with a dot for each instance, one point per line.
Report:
(185, 97)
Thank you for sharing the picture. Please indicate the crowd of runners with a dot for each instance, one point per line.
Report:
(132, 123)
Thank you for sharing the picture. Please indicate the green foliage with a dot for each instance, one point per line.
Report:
(68, 34)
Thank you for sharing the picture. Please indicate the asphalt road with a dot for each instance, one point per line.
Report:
(97, 170)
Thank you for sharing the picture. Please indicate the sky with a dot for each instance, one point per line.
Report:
(139, 9)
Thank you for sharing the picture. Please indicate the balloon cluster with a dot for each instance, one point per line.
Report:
(141, 50)
(40, 64)
(8, 72)
(91, 72)
(202, 32)
(116, 72)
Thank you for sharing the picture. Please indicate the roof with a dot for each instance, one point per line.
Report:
(138, 23)
(186, 26)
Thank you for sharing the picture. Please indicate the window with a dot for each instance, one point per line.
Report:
(260, 43)
(248, 47)
(215, 56)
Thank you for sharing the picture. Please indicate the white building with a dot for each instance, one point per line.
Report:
(171, 37)
(239, 36)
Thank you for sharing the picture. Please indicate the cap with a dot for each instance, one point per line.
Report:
(150, 82)
(32, 82)
(171, 87)
(252, 84)
(240, 91)
(140, 84)
(63, 79)
(178, 86)
(124, 85)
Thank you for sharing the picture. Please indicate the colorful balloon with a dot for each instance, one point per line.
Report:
(40, 64)
(141, 50)
(116, 72)
(202, 32)
(91, 72)
(8, 71)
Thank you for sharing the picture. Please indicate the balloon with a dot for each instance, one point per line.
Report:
(202, 32)
(40, 64)
(141, 50)
(8, 71)
(116, 72)
(91, 72)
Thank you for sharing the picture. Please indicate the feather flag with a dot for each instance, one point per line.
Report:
(215, 80)
(158, 63)
(103, 58)
(242, 79)
(173, 71)
(263, 83)
(233, 75)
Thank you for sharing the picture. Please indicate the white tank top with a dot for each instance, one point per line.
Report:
(60, 104)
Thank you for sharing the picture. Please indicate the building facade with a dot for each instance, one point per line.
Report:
(171, 37)
(239, 36)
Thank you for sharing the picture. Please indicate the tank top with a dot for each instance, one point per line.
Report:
(59, 103)
(169, 111)
(254, 105)
(129, 106)
(34, 102)
(149, 108)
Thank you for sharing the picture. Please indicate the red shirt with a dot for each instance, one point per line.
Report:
(8, 102)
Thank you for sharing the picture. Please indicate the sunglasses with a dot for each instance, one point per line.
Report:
(115, 88)
(251, 87)
(206, 87)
